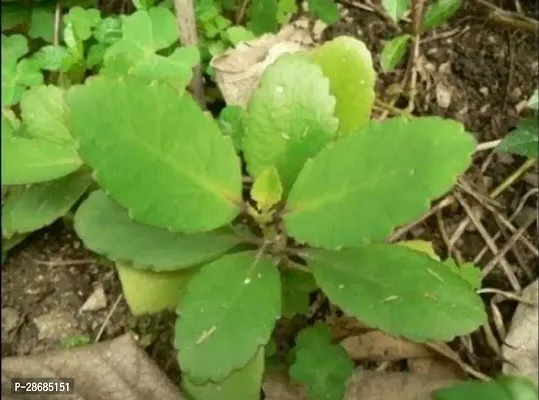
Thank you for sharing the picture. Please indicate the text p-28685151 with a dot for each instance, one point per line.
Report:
(42, 386)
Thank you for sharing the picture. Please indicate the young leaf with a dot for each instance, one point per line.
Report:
(289, 118)
(467, 271)
(231, 123)
(399, 291)
(263, 17)
(237, 34)
(396, 8)
(109, 30)
(524, 140)
(393, 52)
(285, 10)
(42, 25)
(156, 153)
(55, 58)
(439, 12)
(267, 189)
(325, 10)
(297, 286)
(143, 4)
(32, 207)
(149, 292)
(13, 47)
(83, 21)
(227, 314)
(347, 63)
(44, 112)
(346, 195)
(503, 388)
(27, 160)
(422, 246)
(242, 384)
(106, 228)
(322, 366)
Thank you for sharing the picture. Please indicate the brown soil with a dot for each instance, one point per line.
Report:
(485, 69)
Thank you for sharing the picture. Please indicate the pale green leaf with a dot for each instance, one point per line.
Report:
(143, 4)
(13, 47)
(325, 10)
(439, 12)
(503, 388)
(467, 271)
(16, 77)
(42, 25)
(348, 64)
(228, 313)
(73, 42)
(30, 208)
(524, 140)
(149, 292)
(399, 291)
(109, 30)
(396, 8)
(44, 115)
(10, 122)
(323, 367)
(242, 384)
(533, 101)
(157, 154)
(422, 246)
(30, 161)
(267, 189)
(263, 17)
(346, 196)
(289, 118)
(106, 228)
(285, 10)
(154, 29)
(237, 34)
(393, 52)
(231, 123)
(83, 21)
(55, 58)
(296, 288)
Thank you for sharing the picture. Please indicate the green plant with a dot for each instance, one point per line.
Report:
(503, 388)
(435, 15)
(328, 188)
(524, 140)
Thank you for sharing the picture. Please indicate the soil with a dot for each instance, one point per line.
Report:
(470, 69)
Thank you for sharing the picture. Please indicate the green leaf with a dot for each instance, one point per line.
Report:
(420, 245)
(503, 388)
(16, 77)
(289, 118)
(325, 10)
(55, 58)
(143, 4)
(393, 52)
(263, 17)
(10, 122)
(396, 8)
(399, 291)
(467, 271)
(297, 287)
(346, 195)
(321, 365)
(347, 63)
(44, 115)
(242, 384)
(83, 21)
(106, 228)
(523, 140)
(149, 292)
(14, 15)
(267, 189)
(439, 12)
(27, 161)
(42, 25)
(166, 160)
(153, 30)
(109, 30)
(33, 207)
(231, 123)
(13, 47)
(285, 10)
(227, 314)
(237, 34)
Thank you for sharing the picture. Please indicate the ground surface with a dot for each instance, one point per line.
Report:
(474, 71)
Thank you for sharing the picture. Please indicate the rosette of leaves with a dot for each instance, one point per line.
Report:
(323, 201)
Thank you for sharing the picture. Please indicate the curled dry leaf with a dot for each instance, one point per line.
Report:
(238, 71)
(113, 370)
(521, 343)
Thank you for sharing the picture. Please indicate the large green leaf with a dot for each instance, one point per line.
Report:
(227, 314)
(361, 188)
(503, 388)
(157, 154)
(319, 364)
(44, 114)
(30, 208)
(26, 160)
(289, 118)
(149, 292)
(241, 384)
(398, 290)
(348, 64)
(105, 227)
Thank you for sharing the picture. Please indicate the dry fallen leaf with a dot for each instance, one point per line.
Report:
(521, 343)
(115, 370)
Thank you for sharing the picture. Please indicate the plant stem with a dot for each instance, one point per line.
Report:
(513, 177)
(185, 14)
(510, 18)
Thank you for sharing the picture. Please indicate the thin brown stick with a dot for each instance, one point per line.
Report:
(509, 18)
